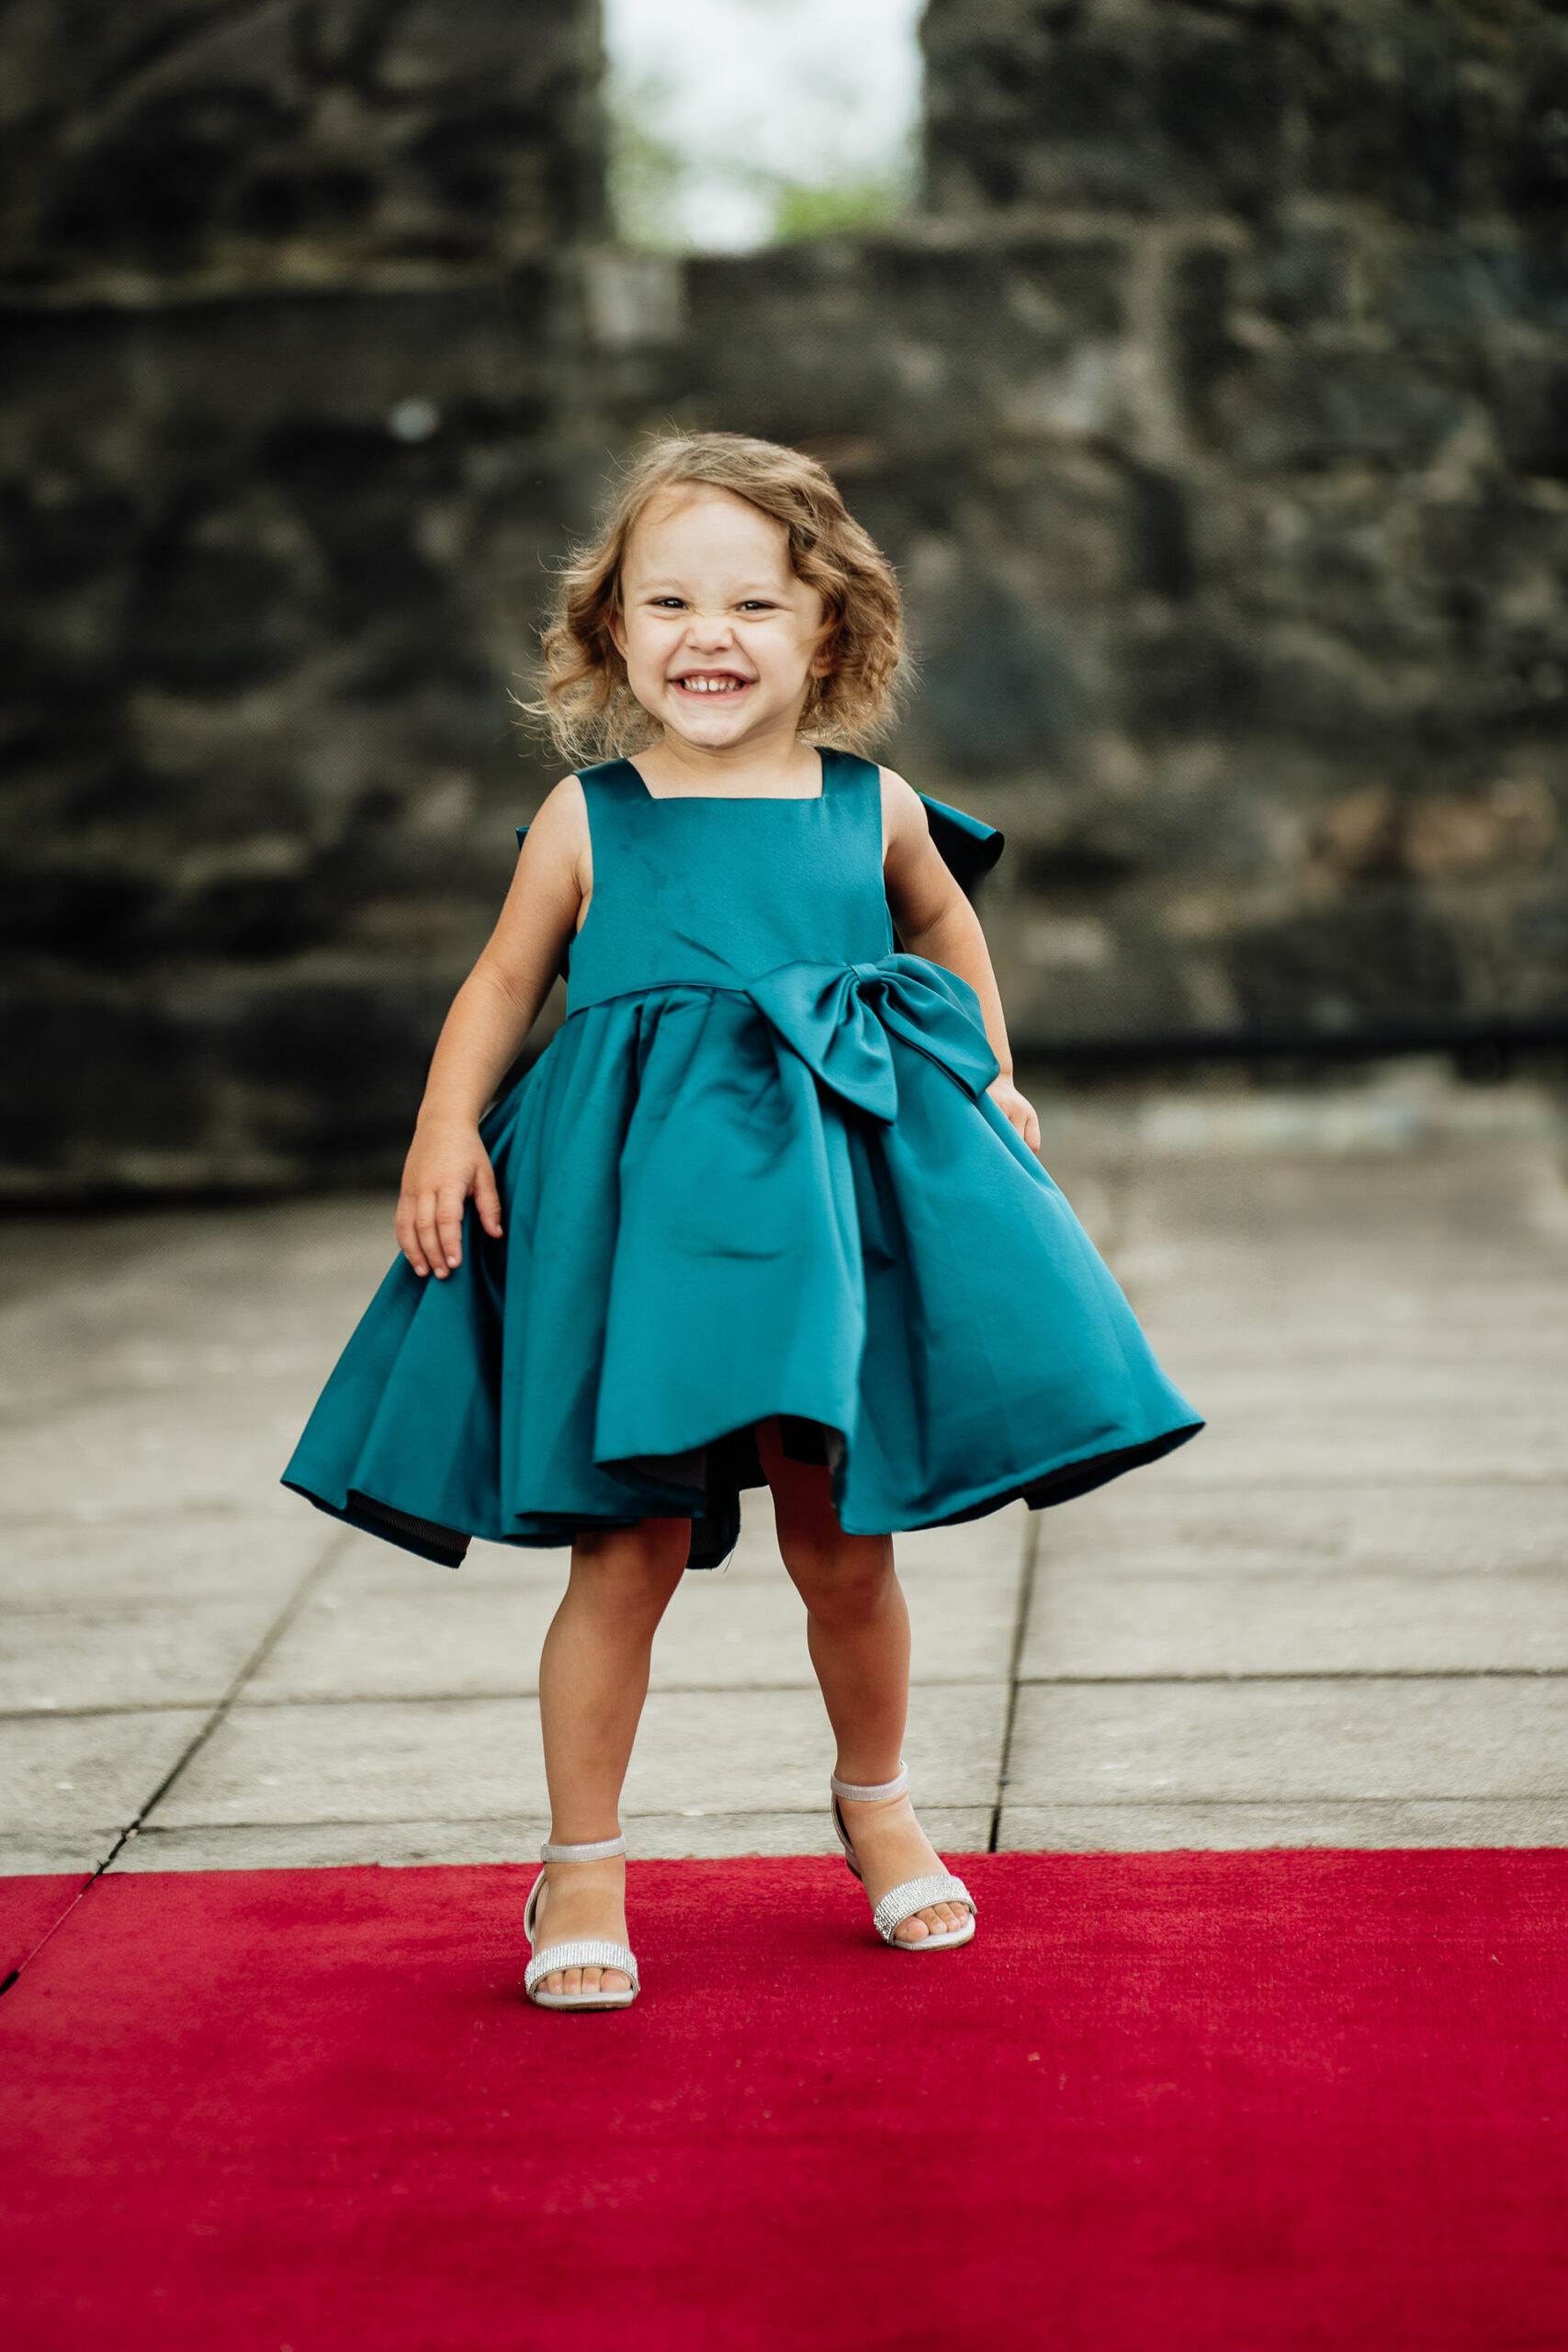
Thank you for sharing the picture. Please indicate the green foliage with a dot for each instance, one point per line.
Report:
(839, 210)
(653, 180)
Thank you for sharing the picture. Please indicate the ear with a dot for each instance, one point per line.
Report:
(616, 622)
(825, 660)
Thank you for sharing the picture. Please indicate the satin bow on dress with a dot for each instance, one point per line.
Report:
(840, 1019)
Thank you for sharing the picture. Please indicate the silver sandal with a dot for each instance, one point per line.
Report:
(901, 1902)
(589, 1952)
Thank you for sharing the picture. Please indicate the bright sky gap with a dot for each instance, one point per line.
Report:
(738, 122)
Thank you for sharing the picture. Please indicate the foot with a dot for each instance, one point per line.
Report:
(891, 1847)
(583, 1900)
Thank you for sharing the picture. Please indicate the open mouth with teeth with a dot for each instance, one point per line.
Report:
(712, 682)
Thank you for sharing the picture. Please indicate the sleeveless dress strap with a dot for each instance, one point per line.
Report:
(967, 846)
(842, 771)
(619, 772)
(602, 772)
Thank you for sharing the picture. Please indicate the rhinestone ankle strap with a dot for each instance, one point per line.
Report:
(598, 1852)
(871, 1791)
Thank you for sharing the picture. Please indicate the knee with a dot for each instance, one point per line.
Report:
(641, 1567)
(842, 1585)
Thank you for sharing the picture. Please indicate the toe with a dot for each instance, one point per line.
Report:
(615, 1981)
(571, 1980)
(590, 1979)
(936, 1919)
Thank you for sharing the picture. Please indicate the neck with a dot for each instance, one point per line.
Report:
(775, 765)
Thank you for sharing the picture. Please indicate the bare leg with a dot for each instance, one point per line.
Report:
(857, 1630)
(593, 1681)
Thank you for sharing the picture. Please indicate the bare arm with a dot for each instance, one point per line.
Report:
(491, 1014)
(935, 919)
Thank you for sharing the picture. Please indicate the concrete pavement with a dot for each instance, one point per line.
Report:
(1340, 1617)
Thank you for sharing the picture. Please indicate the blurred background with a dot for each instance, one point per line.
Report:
(1204, 368)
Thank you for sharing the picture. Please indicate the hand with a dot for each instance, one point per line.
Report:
(1014, 1109)
(447, 1165)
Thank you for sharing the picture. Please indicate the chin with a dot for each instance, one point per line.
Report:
(710, 726)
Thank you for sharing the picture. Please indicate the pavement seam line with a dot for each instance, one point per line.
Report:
(330, 1555)
(742, 1690)
(1028, 1567)
(328, 1559)
(424, 1820)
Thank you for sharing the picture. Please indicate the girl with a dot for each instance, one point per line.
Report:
(766, 1208)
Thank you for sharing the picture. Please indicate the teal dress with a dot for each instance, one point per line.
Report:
(756, 1171)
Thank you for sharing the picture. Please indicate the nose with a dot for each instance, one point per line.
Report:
(710, 632)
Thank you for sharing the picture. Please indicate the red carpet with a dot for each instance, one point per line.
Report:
(1164, 2101)
(29, 1907)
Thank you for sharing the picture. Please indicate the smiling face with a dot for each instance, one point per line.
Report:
(719, 638)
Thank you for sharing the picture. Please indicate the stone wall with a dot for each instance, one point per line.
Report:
(172, 149)
(1217, 415)
(1288, 499)
(291, 324)
(1215, 409)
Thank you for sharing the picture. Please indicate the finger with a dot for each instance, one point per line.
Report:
(408, 1238)
(1031, 1131)
(449, 1226)
(487, 1200)
(429, 1238)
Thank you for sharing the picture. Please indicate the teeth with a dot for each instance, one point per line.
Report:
(701, 686)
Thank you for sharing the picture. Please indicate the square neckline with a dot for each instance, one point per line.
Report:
(743, 799)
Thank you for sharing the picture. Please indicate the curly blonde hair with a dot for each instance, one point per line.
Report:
(586, 701)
